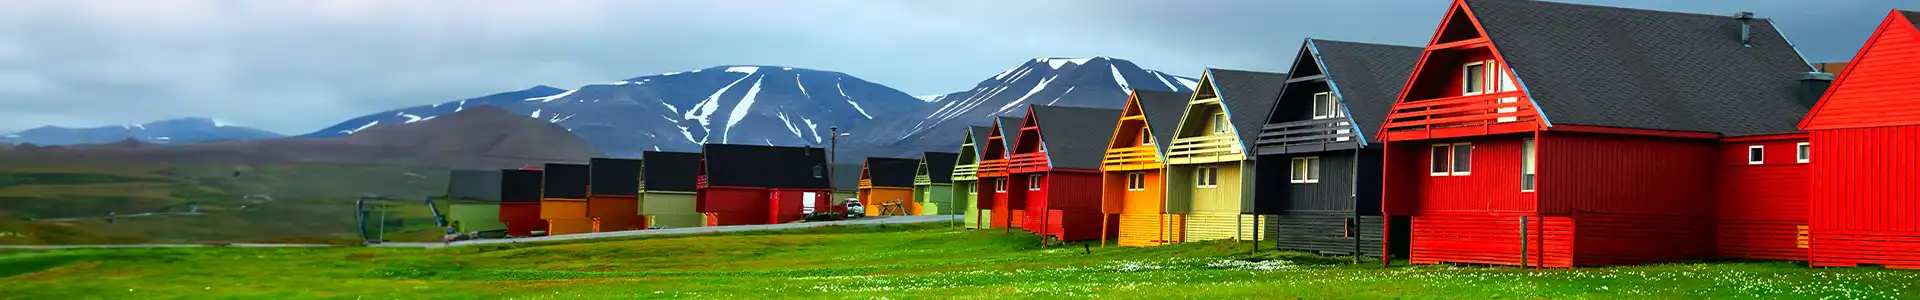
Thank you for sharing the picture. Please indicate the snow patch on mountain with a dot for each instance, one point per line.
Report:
(740, 110)
(931, 98)
(363, 127)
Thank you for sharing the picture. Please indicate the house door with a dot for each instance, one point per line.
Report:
(807, 201)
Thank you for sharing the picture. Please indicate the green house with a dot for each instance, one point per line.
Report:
(474, 200)
(965, 188)
(933, 184)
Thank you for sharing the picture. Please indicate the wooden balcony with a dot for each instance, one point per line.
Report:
(1308, 135)
(700, 181)
(1028, 162)
(1130, 158)
(866, 183)
(992, 168)
(923, 179)
(965, 172)
(1205, 149)
(1461, 116)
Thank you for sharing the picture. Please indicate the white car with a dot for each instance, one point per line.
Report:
(854, 209)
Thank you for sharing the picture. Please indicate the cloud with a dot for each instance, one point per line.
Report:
(296, 66)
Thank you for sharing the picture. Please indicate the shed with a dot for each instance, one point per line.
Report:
(1865, 203)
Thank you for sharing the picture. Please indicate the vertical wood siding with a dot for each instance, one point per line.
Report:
(1333, 193)
(1866, 200)
(1328, 233)
(1761, 207)
(732, 206)
(557, 208)
(522, 218)
(1492, 184)
(936, 199)
(1620, 174)
(615, 213)
(1492, 239)
(1141, 222)
(966, 195)
(1606, 239)
(670, 210)
(1070, 194)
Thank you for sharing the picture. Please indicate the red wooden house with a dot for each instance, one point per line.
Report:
(613, 198)
(1056, 157)
(748, 184)
(999, 209)
(1865, 193)
(520, 201)
(1549, 134)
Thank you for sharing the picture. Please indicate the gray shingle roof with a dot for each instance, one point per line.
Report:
(1368, 77)
(1162, 110)
(1075, 137)
(1619, 67)
(1248, 96)
(939, 165)
(846, 177)
(980, 140)
(1912, 17)
(892, 172)
(1007, 132)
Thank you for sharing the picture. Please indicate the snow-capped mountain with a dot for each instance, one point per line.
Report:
(1087, 82)
(171, 131)
(679, 111)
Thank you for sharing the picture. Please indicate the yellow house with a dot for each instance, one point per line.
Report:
(1133, 188)
(1210, 158)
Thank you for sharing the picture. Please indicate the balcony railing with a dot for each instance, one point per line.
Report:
(1463, 111)
(992, 168)
(866, 183)
(700, 180)
(965, 172)
(922, 180)
(1140, 155)
(1204, 145)
(1309, 132)
(1028, 162)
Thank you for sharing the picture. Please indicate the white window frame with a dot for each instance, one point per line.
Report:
(1000, 185)
(1330, 105)
(1207, 177)
(1763, 155)
(1803, 152)
(1137, 181)
(975, 189)
(1445, 164)
(1219, 123)
(1304, 170)
(1467, 80)
(1146, 137)
(1529, 165)
(1033, 183)
(1453, 161)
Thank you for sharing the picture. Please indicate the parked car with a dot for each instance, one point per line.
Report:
(854, 210)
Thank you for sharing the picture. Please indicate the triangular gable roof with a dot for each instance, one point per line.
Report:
(1162, 110)
(1074, 137)
(939, 165)
(1365, 77)
(979, 136)
(891, 172)
(1634, 68)
(669, 171)
(1844, 107)
(1007, 133)
(1246, 96)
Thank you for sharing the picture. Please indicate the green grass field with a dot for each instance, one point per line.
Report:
(311, 203)
(898, 262)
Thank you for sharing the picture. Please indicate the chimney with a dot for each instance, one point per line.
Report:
(1746, 27)
(1812, 86)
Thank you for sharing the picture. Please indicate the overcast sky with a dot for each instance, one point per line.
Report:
(295, 66)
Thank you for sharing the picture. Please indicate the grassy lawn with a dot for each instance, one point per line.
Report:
(916, 261)
(310, 203)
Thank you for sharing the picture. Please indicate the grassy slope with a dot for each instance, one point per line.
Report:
(920, 261)
(312, 203)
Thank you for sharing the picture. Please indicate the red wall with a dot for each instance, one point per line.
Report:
(1865, 200)
(1071, 200)
(1626, 174)
(1008, 207)
(735, 206)
(1761, 207)
(1493, 185)
(522, 218)
(1877, 88)
(789, 205)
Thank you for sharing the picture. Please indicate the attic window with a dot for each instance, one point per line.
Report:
(1473, 79)
(816, 171)
(1220, 123)
(1145, 138)
(1326, 106)
(1756, 154)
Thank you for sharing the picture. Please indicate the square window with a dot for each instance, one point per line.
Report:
(1000, 185)
(1220, 123)
(1803, 152)
(1324, 106)
(1306, 170)
(1033, 183)
(1438, 166)
(1207, 177)
(1474, 78)
(1462, 158)
(1756, 154)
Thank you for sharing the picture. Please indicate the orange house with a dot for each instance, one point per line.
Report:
(998, 208)
(886, 186)
(563, 199)
(1133, 189)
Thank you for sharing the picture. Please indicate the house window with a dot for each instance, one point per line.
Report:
(1527, 162)
(1219, 123)
(1437, 165)
(1326, 106)
(1207, 177)
(1462, 158)
(971, 190)
(1043, 147)
(1000, 185)
(1803, 152)
(1306, 170)
(1473, 80)
(1135, 181)
(1145, 138)
(816, 171)
(1756, 154)
(1033, 183)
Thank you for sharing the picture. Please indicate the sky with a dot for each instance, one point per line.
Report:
(294, 66)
